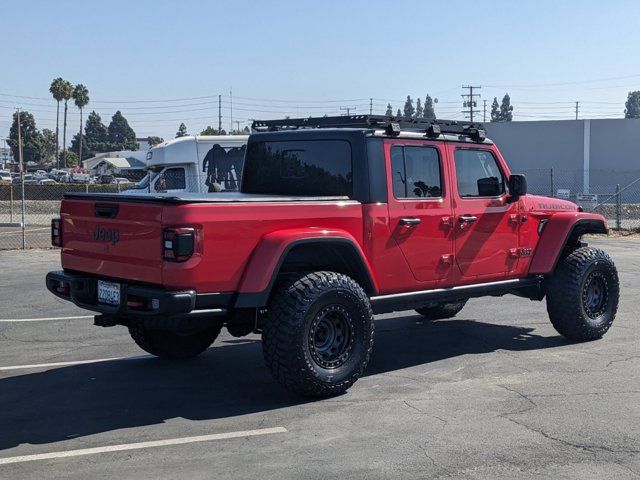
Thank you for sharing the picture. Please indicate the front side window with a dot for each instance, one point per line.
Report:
(416, 172)
(171, 179)
(300, 167)
(478, 174)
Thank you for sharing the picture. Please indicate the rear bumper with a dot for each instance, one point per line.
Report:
(136, 301)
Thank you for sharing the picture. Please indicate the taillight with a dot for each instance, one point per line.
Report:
(56, 232)
(178, 244)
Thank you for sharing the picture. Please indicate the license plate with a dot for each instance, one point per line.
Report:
(108, 292)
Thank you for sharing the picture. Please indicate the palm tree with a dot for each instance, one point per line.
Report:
(56, 91)
(81, 98)
(66, 89)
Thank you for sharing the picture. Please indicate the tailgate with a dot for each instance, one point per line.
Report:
(113, 238)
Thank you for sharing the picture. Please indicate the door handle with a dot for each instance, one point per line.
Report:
(410, 222)
(467, 219)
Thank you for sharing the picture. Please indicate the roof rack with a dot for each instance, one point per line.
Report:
(391, 125)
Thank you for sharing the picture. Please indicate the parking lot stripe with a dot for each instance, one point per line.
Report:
(140, 445)
(46, 319)
(26, 231)
(66, 364)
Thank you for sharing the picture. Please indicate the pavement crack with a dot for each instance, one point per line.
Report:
(422, 412)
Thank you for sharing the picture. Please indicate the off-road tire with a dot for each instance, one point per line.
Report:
(442, 310)
(291, 336)
(575, 309)
(174, 344)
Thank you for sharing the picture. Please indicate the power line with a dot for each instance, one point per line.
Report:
(470, 102)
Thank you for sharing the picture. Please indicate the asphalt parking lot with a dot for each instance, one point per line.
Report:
(493, 393)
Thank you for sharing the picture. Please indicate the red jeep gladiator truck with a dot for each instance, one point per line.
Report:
(337, 219)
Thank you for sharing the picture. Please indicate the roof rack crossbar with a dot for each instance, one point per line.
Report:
(432, 128)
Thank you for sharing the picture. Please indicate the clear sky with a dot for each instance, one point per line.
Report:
(152, 59)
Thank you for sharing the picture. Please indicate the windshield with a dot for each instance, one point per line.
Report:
(146, 181)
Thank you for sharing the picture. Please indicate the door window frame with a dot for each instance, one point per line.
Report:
(443, 187)
(500, 169)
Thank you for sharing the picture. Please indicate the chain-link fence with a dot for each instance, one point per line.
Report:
(613, 194)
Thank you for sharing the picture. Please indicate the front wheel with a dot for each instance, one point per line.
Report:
(318, 333)
(174, 343)
(582, 295)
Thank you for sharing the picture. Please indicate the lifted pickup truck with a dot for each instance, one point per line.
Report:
(336, 219)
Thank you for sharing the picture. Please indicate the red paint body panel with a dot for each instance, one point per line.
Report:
(231, 232)
(552, 240)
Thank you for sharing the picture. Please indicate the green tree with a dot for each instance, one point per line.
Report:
(76, 146)
(72, 159)
(121, 135)
(32, 141)
(419, 111)
(81, 99)
(57, 91)
(429, 113)
(96, 135)
(389, 112)
(212, 131)
(506, 109)
(495, 110)
(49, 145)
(66, 90)
(182, 131)
(399, 113)
(409, 111)
(632, 106)
(153, 141)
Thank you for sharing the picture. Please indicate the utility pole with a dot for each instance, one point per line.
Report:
(347, 109)
(370, 106)
(21, 163)
(231, 100)
(469, 100)
(484, 111)
(577, 109)
(238, 124)
(219, 114)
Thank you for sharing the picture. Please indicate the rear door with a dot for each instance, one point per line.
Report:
(420, 208)
(486, 225)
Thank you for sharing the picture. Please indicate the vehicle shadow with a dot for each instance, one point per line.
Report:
(228, 380)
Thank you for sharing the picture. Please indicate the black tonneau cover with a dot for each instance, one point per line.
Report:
(220, 197)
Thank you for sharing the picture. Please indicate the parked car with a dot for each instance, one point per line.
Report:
(106, 179)
(330, 226)
(47, 181)
(5, 176)
(122, 181)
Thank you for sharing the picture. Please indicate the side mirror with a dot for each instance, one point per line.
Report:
(517, 186)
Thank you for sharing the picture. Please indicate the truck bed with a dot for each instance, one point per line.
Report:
(121, 236)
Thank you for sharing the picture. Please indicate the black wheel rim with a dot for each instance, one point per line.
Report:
(331, 337)
(595, 295)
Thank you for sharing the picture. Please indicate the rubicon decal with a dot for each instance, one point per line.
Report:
(110, 235)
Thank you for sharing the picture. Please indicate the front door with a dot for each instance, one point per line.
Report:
(486, 224)
(420, 209)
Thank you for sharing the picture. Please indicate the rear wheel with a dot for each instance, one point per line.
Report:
(582, 295)
(174, 343)
(442, 310)
(318, 333)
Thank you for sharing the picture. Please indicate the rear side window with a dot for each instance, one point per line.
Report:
(478, 174)
(171, 179)
(303, 167)
(416, 172)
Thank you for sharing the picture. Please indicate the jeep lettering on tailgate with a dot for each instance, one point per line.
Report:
(110, 235)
